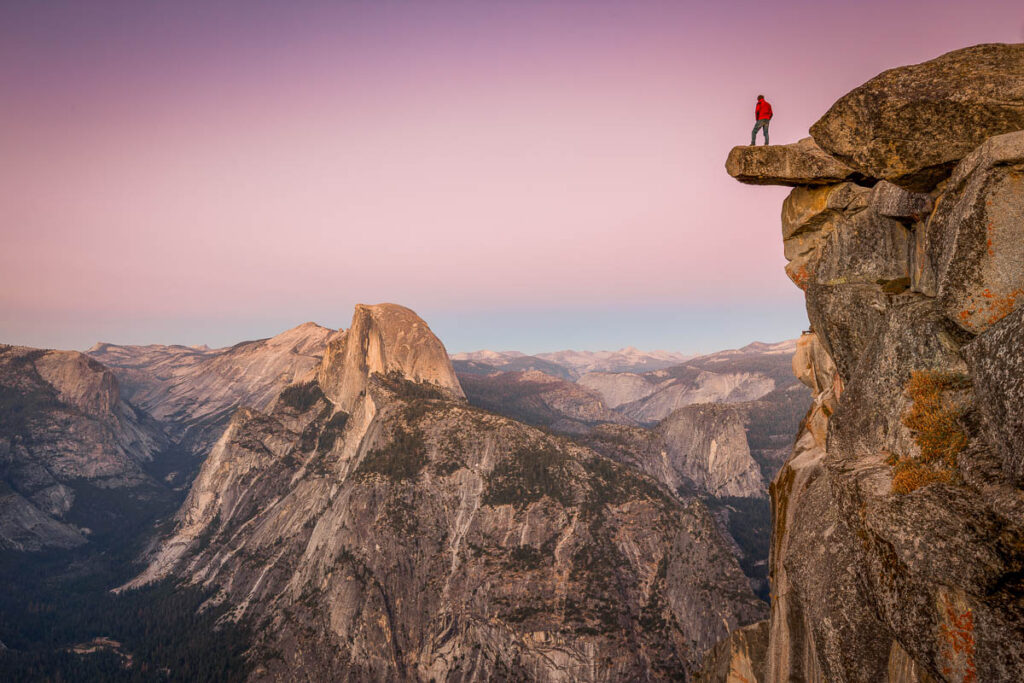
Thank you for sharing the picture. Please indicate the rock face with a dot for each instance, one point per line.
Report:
(195, 390)
(400, 534)
(492, 362)
(910, 125)
(974, 241)
(618, 388)
(628, 359)
(996, 360)
(384, 339)
(898, 520)
(63, 428)
(801, 163)
(700, 449)
(739, 658)
(707, 444)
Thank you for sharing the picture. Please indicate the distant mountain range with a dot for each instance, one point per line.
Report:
(336, 467)
(570, 364)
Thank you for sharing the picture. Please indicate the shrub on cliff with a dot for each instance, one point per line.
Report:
(935, 419)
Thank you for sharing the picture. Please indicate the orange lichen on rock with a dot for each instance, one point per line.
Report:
(799, 275)
(990, 307)
(957, 648)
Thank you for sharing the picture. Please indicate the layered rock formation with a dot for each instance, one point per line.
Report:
(371, 525)
(898, 533)
(194, 390)
(63, 426)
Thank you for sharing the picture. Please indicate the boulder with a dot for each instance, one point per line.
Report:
(864, 247)
(975, 238)
(996, 361)
(800, 163)
(910, 125)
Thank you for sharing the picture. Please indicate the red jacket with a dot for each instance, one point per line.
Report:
(763, 110)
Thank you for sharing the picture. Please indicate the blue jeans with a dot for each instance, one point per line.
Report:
(762, 123)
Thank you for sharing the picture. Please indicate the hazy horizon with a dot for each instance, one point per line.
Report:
(529, 176)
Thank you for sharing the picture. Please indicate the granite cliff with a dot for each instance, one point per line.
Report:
(898, 520)
(372, 525)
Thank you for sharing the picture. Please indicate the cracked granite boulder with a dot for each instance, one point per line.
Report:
(910, 125)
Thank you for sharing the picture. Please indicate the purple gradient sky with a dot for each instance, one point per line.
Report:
(523, 174)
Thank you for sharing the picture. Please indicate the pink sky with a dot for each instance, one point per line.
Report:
(522, 174)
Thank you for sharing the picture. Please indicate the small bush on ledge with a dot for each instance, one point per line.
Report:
(935, 419)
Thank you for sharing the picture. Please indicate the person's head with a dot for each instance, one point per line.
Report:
(760, 97)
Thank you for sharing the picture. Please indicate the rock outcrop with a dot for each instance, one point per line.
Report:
(384, 339)
(898, 521)
(801, 163)
(373, 526)
(973, 244)
(64, 427)
(910, 125)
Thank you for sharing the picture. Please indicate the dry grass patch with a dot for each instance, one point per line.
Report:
(935, 419)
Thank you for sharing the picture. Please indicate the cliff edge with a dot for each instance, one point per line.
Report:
(898, 521)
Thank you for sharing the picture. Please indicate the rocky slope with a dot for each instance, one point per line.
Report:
(540, 399)
(372, 525)
(65, 432)
(194, 390)
(898, 539)
(701, 448)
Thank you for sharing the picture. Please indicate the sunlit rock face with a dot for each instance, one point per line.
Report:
(384, 339)
(898, 521)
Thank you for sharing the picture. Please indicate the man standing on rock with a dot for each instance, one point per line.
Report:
(763, 115)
